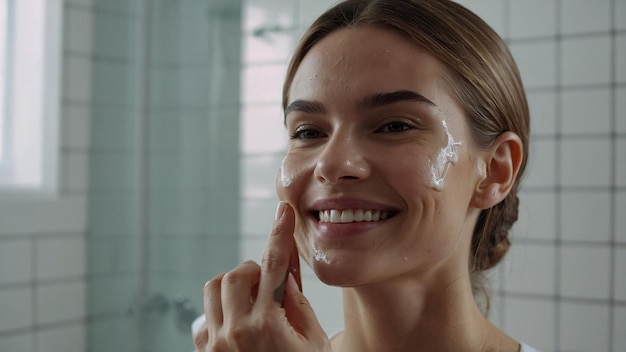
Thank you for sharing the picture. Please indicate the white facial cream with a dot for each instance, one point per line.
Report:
(286, 180)
(319, 255)
(440, 165)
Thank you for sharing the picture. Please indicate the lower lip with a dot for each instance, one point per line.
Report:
(350, 229)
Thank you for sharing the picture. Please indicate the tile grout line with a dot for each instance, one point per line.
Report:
(558, 171)
(613, 176)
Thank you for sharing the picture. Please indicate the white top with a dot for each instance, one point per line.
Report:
(526, 348)
(197, 324)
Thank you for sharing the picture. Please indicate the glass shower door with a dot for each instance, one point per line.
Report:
(171, 221)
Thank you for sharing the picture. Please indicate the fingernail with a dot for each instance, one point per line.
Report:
(280, 210)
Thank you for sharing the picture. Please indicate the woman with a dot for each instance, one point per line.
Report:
(409, 133)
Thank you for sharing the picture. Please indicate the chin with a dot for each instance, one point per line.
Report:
(335, 274)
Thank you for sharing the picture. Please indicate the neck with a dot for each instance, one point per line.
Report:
(409, 314)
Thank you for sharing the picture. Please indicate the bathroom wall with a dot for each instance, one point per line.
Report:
(43, 258)
(561, 288)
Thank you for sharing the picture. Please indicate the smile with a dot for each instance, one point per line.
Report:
(352, 215)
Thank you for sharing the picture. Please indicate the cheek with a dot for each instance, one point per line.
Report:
(291, 184)
(443, 160)
(292, 177)
(411, 171)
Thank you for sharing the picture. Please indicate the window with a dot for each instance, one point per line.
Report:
(30, 58)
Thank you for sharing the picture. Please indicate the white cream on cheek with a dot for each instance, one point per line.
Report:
(286, 179)
(440, 164)
(288, 175)
(319, 255)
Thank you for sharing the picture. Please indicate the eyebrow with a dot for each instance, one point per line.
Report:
(372, 101)
(309, 107)
(382, 99)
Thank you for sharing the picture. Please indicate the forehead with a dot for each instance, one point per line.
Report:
(367, 60)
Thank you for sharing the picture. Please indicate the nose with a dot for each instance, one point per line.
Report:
(341, 160)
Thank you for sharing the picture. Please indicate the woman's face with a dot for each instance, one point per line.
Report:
(380, 167)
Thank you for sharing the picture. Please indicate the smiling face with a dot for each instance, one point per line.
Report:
(380, 168)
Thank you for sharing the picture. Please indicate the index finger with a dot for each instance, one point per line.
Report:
(275, 262)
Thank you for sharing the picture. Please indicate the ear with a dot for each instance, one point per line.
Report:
(502, 162)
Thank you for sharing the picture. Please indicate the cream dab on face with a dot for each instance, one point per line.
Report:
(319, 255)
(286, 179)
(440, 165)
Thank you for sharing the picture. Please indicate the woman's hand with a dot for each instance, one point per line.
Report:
(252, 308)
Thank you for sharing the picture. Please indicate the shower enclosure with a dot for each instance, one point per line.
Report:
(164, 166)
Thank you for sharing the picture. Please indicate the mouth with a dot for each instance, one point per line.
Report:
(344, 216)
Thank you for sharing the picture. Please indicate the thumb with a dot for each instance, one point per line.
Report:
(299, 312)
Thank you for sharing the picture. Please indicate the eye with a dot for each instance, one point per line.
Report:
(305, 133)
(395, 127)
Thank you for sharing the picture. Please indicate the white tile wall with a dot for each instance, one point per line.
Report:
(62, 339)
(584, 217)
(537, 216)
(261, 13)
(79, 30)
(586, 111)
(543, 110)
(263, 130)
(60, 258)
(262, 83)
(42, 241)
(584, 327)
(259, 176)
(77, 78)
(272, 46)
(585, 272)
(620, 109)
(61, 302)
(524, 273)
(619, 329)
(21, 342)
(620, 14)
(540, 334)
(76, 127)
(620, 221)
(620, 54)
(491, 11)
(620, 163)
(537, 62)
(586, 60)
(307, 11)
(596, 15)
(16, 261)
(534, 18)
(619, 283)
(17, 309)
(541, 168)
(586, 162)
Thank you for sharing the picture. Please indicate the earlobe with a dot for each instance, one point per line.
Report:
(502, 166)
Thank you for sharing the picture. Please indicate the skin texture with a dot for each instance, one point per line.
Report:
(357, 159)
(349, 149)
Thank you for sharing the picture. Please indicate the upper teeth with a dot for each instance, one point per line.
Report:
(351, 215)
